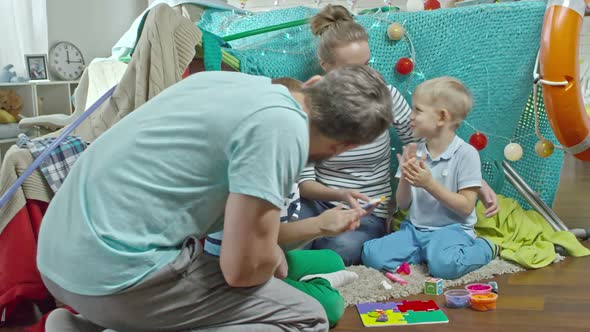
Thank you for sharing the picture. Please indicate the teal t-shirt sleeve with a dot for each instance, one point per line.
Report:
(469, 168)
(266, 153)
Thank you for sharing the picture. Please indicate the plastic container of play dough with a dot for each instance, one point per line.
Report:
(484, 302)
(457, 298)
(479, 288)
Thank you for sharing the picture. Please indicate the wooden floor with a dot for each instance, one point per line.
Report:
(554, 298)
(572, 200)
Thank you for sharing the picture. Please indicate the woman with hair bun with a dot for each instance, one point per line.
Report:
(361, 173)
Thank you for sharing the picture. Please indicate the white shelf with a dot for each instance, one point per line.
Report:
(55, 97)
(7, 140)
(39, 82)
(4, 84)
(55, 82)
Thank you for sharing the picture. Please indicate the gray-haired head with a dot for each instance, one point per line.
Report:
(350, 104)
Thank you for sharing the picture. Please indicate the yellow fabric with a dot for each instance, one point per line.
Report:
(525, 236)
(6, 117)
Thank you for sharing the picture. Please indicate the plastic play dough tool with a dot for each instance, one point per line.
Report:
(374, 202)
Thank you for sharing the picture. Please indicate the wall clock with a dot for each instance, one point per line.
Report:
(66, 61)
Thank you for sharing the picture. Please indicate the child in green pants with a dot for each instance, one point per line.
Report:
(317, 273)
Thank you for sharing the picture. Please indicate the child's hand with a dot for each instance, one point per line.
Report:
(418, 174)
(411, 151)
(408, 157)
(351, 197)
(489, 199)
(338, 220)
(404, 167)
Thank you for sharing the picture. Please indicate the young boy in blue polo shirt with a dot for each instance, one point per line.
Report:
(439, 182)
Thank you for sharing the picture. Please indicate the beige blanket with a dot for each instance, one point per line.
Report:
(163, 52)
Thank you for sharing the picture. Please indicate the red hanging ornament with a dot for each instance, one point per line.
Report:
(478, 140)
(404, 66)
(431, 5)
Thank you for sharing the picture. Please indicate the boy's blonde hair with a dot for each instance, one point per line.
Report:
(447, 93)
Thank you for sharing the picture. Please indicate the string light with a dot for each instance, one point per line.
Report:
(479, 141)
(431, 5)
(544, 147)
(513, 151)
(536, 110)
(397, 32)
(510, 140)
(392, 31)
(404, 66)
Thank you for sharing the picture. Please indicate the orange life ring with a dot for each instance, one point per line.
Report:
(560, 76)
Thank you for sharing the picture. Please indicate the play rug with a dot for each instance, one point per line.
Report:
(368, 288)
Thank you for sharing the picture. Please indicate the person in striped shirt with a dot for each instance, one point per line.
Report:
(361, 173)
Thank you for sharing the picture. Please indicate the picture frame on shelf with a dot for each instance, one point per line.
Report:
(36, 66)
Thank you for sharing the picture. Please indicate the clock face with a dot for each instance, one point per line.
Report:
(66, 61)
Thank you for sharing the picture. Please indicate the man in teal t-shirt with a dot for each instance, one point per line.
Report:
(218, 151)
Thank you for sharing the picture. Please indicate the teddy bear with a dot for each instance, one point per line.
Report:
(11, 103)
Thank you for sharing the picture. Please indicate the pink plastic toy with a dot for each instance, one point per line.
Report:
(396, 278)
(404, 269)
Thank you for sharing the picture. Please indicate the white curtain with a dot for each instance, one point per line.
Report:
(23, 27)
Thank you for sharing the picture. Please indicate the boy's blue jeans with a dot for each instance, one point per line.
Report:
(449, 252)
(348, 245)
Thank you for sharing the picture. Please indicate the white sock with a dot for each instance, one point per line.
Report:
(336, 279)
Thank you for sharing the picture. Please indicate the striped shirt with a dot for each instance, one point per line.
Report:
(367, 167)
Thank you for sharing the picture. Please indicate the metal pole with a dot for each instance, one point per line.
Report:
(553, 218)
(531, 201)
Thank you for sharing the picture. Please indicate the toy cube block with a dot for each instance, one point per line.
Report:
(433, 286)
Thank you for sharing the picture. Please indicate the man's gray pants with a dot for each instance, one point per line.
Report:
(191, 294)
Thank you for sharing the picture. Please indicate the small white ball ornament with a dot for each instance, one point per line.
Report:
(513, 151)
